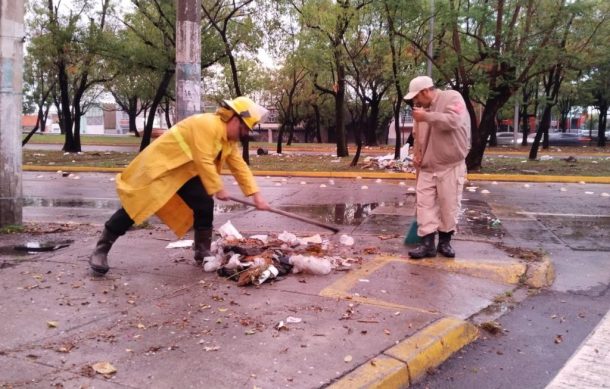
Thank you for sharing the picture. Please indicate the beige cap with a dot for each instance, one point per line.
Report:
(417, 85)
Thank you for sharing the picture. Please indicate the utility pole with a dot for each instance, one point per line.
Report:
(11, 83)
(188, 58)
(431, 39)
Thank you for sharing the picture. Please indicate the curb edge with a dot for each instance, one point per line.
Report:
(408, 361)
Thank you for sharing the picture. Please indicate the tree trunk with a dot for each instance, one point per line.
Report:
(339, 108)
(161, 89)
(280, 136)
(543, 127)
(358, 134)
(481, 133)
(316, 110)
(370, 131)
(601, 129)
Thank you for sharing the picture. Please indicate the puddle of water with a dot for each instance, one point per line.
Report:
(36, 246)
(10, 251)
(339, 214)
(476, 218)
(107, 204)
(71, 203)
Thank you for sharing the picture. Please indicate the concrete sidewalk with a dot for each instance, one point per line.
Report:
(161, 322)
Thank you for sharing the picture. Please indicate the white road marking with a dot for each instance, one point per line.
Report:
(559, 214)
(589, 366)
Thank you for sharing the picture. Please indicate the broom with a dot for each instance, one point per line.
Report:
(411, 237)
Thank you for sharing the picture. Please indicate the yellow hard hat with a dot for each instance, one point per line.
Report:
(250, 112)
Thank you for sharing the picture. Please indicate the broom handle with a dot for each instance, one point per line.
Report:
(289, 214)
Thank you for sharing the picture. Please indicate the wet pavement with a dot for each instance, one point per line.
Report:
(162, 322)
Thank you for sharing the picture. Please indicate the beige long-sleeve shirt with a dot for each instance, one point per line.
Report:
(444, 135)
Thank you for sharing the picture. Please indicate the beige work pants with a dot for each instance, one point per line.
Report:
(439, 196)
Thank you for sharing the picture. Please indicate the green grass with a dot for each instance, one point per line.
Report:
(596, 166)
(599, 166)
(105, 140)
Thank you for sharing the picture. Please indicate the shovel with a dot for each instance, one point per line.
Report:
(290, 215)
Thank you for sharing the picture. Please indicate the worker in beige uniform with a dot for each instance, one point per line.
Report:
(178, 176)
(442, 143)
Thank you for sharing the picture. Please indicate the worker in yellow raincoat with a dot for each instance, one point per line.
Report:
(177, 176)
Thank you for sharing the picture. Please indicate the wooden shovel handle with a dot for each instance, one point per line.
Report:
(290, 215)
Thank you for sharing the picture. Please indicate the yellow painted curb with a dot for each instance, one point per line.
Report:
(381, 373)
(405, 363)
(536, 178)
(500, 271)
(540, 274)
(433, 345)
(382, 175)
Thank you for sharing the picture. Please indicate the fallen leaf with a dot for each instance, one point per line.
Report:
(214, 348)
(141, 326)
(104, 368)
(558, 339)
(250, 332)
(387, 332)
(223, 309)
(52, 324)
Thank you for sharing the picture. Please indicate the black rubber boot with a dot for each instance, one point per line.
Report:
(426, 248)
(99, 259)
(444, 244)
(203, 242)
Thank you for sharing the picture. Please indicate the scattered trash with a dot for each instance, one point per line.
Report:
(589, 193)
(605, 194)
(563, 189)
(35, 246)
(263, 258)
(187, 243)
(546, 158)
(322, 185)
(104, 368)
(364, 187)
(526, 185)
(310, 264)
(493, 327)
(52, 324)
(347, 359)
(484, 191)
(346, 240)
(495, 223)
(291, 319)
(227, 230)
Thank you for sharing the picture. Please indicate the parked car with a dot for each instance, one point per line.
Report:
(563, 139)
(506, 138)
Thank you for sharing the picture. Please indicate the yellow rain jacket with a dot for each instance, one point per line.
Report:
(195, 146)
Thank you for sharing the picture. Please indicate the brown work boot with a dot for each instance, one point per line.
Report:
(99, 258)
(444, 244)
(203, 242)
(426, 248)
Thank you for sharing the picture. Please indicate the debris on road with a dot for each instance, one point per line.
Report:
(261, 258)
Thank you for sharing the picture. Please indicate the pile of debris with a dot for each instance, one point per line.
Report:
(388, 162)
(260, 258)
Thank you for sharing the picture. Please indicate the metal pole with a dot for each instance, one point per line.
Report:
(430, 39)
(11, 83)
(188, 58)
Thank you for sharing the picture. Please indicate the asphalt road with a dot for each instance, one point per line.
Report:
(538, 334)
